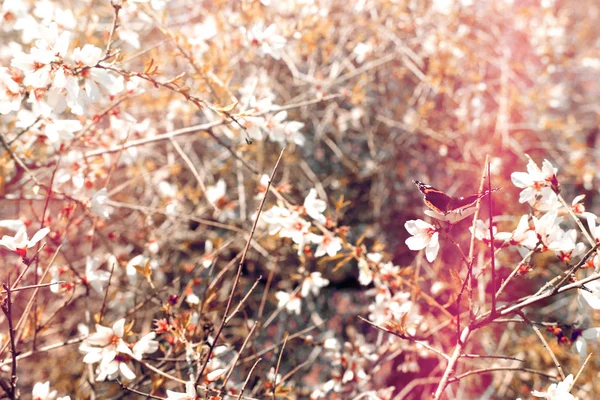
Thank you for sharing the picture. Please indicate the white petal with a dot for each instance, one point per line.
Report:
(416, 242)
(39, 235)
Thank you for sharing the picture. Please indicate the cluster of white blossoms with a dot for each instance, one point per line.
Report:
(292, 224)
(108, 348)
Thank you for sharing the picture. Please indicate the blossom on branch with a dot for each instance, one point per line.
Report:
(424, 236)
(558, 391)
(20, 242)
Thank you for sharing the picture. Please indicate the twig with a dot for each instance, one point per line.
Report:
(491, 223)
(544, 343)
(405, 337)
(248, 378)
(580, 370)
(514, 272)
(106, 293)
(132, 390)
(591, 241)
(509, 309)
(243, 300)
(274, 346)
(237, 278)
(285, 339)
(237, 356)
(494, 369)
(7, 309)
(41, 285)
(116, 8)
(192, 168)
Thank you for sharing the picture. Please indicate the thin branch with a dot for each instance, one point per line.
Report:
(491, 223)
(514, 272)
(7, 309)
(405, 337)
(248, 378)
(285, 339)
(585, 362)
(237, 278)
(494, 369)
(544, 343)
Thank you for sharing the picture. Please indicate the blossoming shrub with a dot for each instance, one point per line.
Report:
(214, 199)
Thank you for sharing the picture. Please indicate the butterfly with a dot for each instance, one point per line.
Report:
(443, 204)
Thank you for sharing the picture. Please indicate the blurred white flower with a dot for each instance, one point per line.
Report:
(192, 299)
(97, 205)
(361, 50)
(20, 242)
(265, 40)
(557, 391)
(146, 345)
(59, 131)
(592, 294)
(328, 244)
(315, 207)
(88, 55)
(523, 235)
(41, 391)
(11, 93)
(313, 283)
(190, 393)
(216, 193)
(93, 276)
(291, 302)
(424, 236)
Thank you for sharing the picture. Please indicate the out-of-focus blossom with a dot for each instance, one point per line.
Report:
(88, 55)
(11, 93)
(482, 232)
(208, 257)
(20, 242)
(523, 235)
(557, 391)
(146, 345)
(12, 224)
(313, 283)
(41, 391)
(93, 276)
(37, 65)
(315, 207)
(361, 50)
(59, 131)
(98, 206)
(192, 299)
(365, 274)
(291, 302)
(216, 193)
(592, 294)
(424, 236)
(266, 40)
(288, 132)
(190, 393)
(327, 244)
(580, 345)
